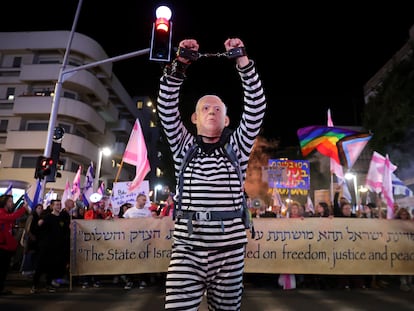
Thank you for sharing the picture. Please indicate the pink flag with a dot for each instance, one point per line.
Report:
(101, 189)
(350, 147)
(375, 174)
(389, 168)
(67, 193)
(336, 168)
(379, 179)
(76, 188)
(136, 154)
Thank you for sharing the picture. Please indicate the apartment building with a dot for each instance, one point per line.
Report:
(94, 109)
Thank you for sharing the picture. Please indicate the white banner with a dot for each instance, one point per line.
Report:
(299, 246)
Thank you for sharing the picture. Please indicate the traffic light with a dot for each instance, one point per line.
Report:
(161, 36)
(56, 163)
(43, 167)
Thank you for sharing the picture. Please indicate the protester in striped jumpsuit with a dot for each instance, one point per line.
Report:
(209, 237)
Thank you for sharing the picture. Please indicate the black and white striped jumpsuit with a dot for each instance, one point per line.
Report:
(211, 258)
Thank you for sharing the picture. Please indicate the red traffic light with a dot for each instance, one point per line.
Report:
(47, 162)
(162, 24)
(43, 167)
(160, 49)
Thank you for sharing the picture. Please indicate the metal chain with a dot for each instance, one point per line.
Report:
(223, 54)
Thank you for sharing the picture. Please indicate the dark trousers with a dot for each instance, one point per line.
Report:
(5, 259)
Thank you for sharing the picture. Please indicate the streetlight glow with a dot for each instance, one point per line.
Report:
(163, 12)
(104, 151)
(156, 189)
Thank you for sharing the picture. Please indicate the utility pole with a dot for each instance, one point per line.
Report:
(63, 71)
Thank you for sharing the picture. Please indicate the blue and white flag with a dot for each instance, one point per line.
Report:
(399, 188)
(48, 198)
(36, 196)
(9, 189)
(87, 189)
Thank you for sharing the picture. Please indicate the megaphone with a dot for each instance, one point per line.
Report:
(95, 197)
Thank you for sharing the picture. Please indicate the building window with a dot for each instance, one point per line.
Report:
(66, 127)
(17, 62)
(140, 104)
(3, 126)
(37, 126)
(70, 95)
(10, 93)
(28, 161)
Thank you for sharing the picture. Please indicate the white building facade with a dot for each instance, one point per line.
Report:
(94, 108)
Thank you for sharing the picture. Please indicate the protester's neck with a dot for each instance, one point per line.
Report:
(210, 139)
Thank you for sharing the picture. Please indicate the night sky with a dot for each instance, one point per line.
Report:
(310, 56)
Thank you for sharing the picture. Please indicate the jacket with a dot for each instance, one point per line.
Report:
(7, 221)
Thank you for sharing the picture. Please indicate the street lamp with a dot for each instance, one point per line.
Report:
(352, 176)
(105, 151)
(156, 189)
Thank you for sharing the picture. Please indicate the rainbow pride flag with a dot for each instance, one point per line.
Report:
(323, 139)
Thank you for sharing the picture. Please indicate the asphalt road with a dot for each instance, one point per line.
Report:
(261, 294)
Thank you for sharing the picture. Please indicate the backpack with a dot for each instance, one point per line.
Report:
(232, 156)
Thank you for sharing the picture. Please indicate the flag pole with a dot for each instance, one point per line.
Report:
(119, 170)
(332, 190)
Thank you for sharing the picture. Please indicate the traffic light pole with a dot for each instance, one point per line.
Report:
(61, 78)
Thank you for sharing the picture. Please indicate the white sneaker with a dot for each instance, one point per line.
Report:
(128, 285)
(405, 287)
(142, 284)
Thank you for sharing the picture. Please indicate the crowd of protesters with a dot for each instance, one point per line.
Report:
(45, 241)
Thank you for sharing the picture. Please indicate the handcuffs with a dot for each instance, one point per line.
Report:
(178, 68)
(192, 55)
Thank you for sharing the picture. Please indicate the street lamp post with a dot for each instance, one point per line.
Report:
(105, 151)
(64, 71)
(156, 189)
(352, 176)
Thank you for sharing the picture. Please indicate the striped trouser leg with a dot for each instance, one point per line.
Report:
(191, 272)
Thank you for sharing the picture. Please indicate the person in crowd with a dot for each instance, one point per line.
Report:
(52, 259)
(92, 211)
(211, 185)
(66, 214)
(30, 240)
(277, 209)
(123, 208)
(322, 210)
(127, 283)
(139, 210)
(349, 281)
(263, 212)
(338, 202)
(168, 208)
(406, 281)
(286, 280)
(79, 211)
(8, 243)
(103, 211)
(155, 209)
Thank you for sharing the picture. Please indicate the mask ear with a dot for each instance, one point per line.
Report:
(194, 118)
(226, 121)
